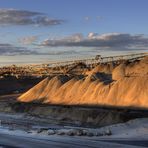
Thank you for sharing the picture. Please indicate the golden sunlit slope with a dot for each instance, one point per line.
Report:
(124, 85)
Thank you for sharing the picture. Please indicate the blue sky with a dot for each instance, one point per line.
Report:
(128, 16)
(104, 20)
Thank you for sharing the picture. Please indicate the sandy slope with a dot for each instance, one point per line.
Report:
(122, 85)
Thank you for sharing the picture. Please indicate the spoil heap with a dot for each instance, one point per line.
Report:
(124, 85)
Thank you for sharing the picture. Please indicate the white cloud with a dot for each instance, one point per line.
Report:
(28, 40)
(92, 35)
(76, 38)
(24, 17)
(86, 18)
(110, 40)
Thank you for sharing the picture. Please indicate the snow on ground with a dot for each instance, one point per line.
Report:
(137, 128)
(133, 129)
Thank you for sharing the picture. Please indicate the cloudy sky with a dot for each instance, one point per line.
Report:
(44, 30)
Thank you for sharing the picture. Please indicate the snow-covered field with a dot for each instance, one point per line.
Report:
(133, 129)
(118, 135)
(137, 128)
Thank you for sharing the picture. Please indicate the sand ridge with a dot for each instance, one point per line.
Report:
(122, 85)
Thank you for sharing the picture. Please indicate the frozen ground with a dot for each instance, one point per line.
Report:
(137, 128)
(22, 139)
(133, 133)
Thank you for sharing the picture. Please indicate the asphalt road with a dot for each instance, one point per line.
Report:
(12, 141)
(142, 143)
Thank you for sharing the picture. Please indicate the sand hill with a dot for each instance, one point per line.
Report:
(122, 85)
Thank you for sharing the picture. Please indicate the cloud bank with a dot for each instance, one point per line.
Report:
(24, 17)
(109, 40)
(77, 44)
(8, 49)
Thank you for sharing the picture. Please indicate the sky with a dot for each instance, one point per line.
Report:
(46, 30)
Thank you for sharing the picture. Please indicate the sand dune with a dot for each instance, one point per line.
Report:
(124, 85)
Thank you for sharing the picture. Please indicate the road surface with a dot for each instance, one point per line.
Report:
(15, 141)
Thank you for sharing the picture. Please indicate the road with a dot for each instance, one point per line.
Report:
(142, 143)
(15, 141)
